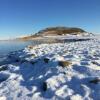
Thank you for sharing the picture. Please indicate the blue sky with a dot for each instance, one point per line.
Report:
(19, 17)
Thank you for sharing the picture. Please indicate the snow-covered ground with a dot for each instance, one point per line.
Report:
(39, 72)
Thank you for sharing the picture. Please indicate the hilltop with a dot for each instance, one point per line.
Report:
(61, 31)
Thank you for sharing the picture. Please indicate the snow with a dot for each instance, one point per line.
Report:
(35, 74)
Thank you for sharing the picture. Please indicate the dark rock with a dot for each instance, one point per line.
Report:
(32, 62)
(46, 60)
(95, 81)
(44, 86)
(3, 68)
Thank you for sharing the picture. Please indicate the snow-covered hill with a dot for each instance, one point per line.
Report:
(60, 71)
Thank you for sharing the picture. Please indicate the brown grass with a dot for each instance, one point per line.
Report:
(64, 63)
(30, 47)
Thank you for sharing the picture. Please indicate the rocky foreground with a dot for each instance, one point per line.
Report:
(59, 71)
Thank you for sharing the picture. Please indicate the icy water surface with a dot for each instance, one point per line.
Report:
(10, 46)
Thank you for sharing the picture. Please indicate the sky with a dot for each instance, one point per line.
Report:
(23, 17)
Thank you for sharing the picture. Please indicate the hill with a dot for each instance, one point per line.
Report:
(60, 31)
(53, 31)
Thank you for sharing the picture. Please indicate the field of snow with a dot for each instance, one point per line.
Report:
(59, 71)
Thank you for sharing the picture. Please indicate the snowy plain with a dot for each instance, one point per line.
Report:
(34, 73)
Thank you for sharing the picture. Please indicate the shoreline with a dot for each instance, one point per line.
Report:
(47, 40)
